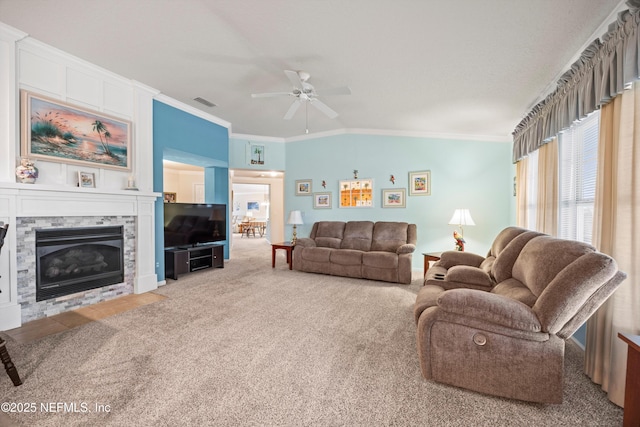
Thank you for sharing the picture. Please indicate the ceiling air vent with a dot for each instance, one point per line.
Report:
(204, 102)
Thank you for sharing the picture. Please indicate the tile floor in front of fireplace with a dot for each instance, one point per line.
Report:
(60, 322)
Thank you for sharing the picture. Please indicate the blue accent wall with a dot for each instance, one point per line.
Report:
(185, 138)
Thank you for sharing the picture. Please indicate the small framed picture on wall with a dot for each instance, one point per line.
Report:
(394, 198)
(420, 183)
(87, 179)
(303, 187)
(322, 200)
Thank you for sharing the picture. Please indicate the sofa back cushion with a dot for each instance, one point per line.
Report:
(328, 234)
(502, 267)
(543, 257)
(499, 243)
(389, 236)
(503, 239)
(576, 292)
(357, 235)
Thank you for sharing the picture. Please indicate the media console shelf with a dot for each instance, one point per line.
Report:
(186, 260)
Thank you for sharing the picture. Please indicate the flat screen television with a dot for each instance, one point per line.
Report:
(193, 224)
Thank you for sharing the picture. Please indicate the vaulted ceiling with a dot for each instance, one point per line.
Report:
(463, 68)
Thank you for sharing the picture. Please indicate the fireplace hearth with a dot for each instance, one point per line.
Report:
(71, 260)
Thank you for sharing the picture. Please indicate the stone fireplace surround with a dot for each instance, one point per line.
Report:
(26, 207)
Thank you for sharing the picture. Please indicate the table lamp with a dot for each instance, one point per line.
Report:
(295, 218)
(461, 217)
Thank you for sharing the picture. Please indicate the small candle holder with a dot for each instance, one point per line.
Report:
(131, 183)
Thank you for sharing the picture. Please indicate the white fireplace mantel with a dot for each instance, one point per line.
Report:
(40, 200)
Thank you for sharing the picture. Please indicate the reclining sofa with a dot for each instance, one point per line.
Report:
(465, 269)
(361, 249)
(509, 339)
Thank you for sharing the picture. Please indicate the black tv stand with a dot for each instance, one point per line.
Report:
(181, 260)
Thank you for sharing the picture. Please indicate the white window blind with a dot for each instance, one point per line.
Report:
(578, 167)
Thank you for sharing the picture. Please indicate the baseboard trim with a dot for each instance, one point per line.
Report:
(578, 343)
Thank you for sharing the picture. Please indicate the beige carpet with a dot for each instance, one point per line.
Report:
(251, 345)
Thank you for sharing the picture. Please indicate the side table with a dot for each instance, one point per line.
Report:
(632, 386)
(287, 246)
(429, 256)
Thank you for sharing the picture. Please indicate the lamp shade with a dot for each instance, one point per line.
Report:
(295, 217)
(461, 217)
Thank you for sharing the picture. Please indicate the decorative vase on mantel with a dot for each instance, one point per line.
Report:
(26, 172)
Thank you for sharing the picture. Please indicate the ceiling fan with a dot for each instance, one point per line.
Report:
(304, 91)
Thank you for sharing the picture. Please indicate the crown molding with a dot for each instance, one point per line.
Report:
(380, 132)
(257, 138)
(7, 32)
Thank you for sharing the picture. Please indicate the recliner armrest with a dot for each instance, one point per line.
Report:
(407, 248)
(449, 259)
(490, 307)
(468, 274)
(306, 242)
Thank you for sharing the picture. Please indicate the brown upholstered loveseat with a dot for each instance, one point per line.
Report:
(510, 341)
(465, 269)
(363, 249)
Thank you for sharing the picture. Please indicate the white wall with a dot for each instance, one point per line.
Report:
(27, 64)
(183, 183)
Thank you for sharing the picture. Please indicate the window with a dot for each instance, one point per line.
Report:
(578, 167)
(532, 190)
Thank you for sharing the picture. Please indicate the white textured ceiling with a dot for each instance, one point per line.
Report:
(463, 68)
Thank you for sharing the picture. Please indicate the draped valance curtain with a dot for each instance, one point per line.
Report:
(603, 71)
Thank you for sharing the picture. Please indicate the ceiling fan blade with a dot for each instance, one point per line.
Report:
(324, 108)
(344, 90)
(270, 94)
(292, 110)
(294, 78)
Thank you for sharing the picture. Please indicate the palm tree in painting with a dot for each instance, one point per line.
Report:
(107, 135)
(258, 152)
(99, 127)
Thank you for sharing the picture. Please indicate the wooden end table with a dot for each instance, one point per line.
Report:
(632, 387)
(287, 246)
(429, 256)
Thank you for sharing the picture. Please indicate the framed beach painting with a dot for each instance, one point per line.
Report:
(420, 183)
(322, 200)
(394, 198)
(56, 131)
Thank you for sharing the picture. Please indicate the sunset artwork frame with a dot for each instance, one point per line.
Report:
(56, 131)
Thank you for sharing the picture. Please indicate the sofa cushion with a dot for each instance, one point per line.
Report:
(388, 236)
(317, 254)
(380, 259)
(357, 235)
(346, 257)
(515, 289)
(329, 234)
